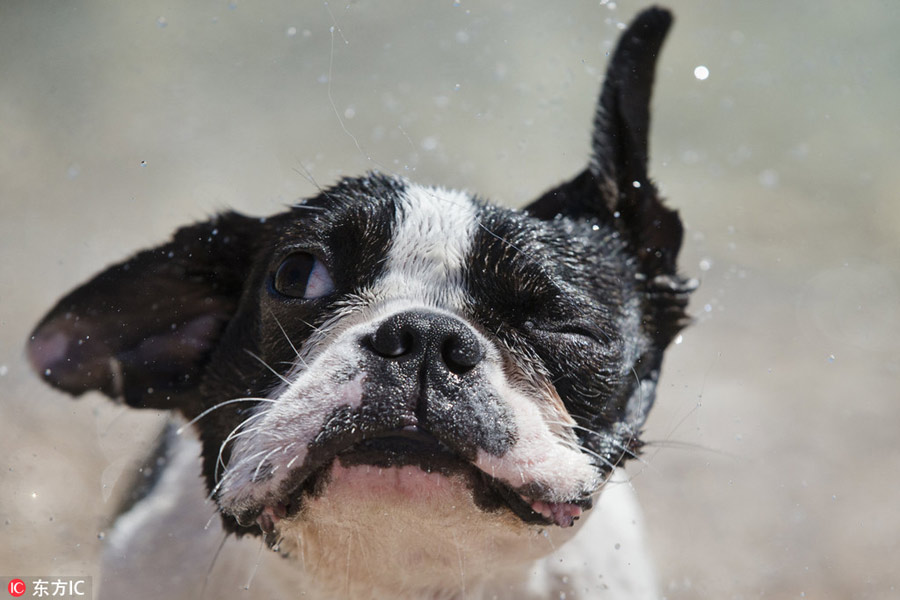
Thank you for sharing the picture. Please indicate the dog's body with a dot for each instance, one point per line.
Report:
(407, 392)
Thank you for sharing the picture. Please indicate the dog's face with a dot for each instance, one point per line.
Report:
(391, 352)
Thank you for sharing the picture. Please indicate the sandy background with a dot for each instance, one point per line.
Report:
(774, 472)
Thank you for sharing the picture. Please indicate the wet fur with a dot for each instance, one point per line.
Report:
(556, 317)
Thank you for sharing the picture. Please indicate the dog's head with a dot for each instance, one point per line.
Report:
(386, 344)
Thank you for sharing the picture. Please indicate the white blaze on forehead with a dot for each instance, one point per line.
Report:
(432, 238)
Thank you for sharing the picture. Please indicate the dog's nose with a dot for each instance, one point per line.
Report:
(436, 338)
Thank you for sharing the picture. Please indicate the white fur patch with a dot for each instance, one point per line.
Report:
(546, 452)
(277, 435)
(433, 237)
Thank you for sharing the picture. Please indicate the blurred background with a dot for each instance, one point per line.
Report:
(774, 456)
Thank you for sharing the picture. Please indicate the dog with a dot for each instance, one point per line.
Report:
(404, 391)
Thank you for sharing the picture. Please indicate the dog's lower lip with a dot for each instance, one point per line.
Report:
(413, 446)
(563, 514)
(409, 440)
(529, 509)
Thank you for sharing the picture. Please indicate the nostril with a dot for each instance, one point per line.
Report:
(402, 344)
(392, 341)
(461, 353)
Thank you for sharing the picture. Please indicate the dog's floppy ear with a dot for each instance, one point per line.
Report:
(615, 187)
(141, 330)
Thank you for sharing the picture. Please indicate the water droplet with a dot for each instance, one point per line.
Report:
(291, 31)
(768, 178)
(3, 370)
(617, 546)
(47, 372)
(143, 163)
(456, 88)
(701, 72)
(831, 358)
(162, 22)
(679, 339)
(706, 264)
(635, 184)
(429, 143)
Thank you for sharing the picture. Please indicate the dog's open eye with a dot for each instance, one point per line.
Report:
(302, 275)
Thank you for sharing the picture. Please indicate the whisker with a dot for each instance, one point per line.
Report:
(231, 437)
(227, 475)
(309, 177)
(235, 433)
(682, 445)
(574, 446)
(213, 564)
(262, 462)
(287, 337)
(266, 365)
(262, 543)
(627, 451)
(313, 327)
(181, 429)
(307, 207)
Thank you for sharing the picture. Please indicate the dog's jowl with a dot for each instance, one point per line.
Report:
(403, 391)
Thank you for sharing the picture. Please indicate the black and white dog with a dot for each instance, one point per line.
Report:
(403, 390)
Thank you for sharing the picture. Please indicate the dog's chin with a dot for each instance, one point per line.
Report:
(415, 475)
(408, 525)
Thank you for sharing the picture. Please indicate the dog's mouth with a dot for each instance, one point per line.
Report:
(413, 447)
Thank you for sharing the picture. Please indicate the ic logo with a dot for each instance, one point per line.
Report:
(16, 588)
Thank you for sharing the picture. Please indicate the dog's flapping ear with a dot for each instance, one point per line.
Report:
(141, 330)
(615, 186)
